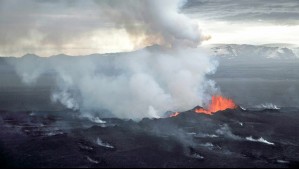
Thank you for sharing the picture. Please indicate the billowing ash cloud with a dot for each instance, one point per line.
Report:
(158, 21)
(134, 85)
(53, 27)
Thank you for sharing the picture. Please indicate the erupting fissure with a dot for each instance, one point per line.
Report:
(218, 103)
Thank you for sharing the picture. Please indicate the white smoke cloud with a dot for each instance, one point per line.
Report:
(74, 27)
(66, 99)
(145, 83)
(132, 85)
(160, 22)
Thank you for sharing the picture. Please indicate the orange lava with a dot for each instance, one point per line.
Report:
(218, 103)
(174, 114)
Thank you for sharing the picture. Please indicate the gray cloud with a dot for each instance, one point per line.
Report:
(280, 12)
(33, 25)
(36, 23)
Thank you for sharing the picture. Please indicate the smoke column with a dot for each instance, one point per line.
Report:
(154, 21)
(134, 85)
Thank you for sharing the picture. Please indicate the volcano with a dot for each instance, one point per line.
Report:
(233, 137)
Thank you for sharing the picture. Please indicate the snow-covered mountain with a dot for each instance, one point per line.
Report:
(253, 52)
(238, 52)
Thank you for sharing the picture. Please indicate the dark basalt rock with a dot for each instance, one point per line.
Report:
(230, 138)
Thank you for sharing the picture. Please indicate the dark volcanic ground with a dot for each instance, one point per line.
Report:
(232, 138)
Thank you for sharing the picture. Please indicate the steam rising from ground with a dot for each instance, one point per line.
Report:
(133, 85)
(268, 106)
(145, 83)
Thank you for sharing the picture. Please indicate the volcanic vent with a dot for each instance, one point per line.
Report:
(218, 103)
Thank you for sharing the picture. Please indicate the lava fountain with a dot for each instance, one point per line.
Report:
(218, 103)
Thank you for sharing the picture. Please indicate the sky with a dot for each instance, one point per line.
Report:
(73, 27)
(247, 22)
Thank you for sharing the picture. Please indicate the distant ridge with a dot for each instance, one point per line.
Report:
(254, 52)
(228, 51)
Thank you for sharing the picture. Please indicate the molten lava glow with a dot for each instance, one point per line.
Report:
(175, 114)
(218, 103)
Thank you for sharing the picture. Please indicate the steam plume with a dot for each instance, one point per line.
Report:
(79, 27)
(134, 85)
(159, 22)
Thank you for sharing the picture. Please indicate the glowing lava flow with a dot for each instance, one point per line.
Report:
(174, 114)
(218, 103)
